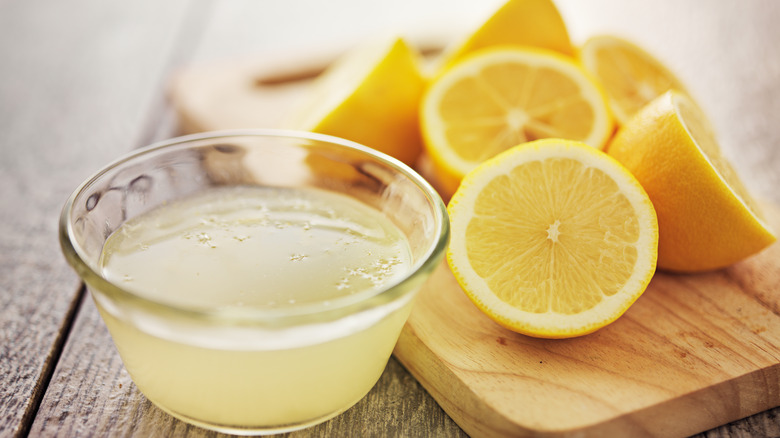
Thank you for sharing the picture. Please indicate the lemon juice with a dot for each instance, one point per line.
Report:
(242, 251)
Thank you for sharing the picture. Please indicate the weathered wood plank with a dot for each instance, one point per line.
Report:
(76, 79)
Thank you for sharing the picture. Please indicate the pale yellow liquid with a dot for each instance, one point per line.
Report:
(253, 248)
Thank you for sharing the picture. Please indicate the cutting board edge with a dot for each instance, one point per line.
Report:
(463, 415)
(697, 408)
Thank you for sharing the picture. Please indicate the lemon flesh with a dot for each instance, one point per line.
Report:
(500, 97)
(552, 238)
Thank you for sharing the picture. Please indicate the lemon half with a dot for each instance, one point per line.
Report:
(500, 97)
(552, 239)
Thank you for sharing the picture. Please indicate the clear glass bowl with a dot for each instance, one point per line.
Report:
(253, 370)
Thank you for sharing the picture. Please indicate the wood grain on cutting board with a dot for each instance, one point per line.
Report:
(694, 352)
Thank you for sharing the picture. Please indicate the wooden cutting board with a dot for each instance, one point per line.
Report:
(694, 352)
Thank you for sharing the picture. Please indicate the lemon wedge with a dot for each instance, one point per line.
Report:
(371, 96)
(535, 23)
(707, 218)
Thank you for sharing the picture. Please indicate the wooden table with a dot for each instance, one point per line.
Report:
(85, 80)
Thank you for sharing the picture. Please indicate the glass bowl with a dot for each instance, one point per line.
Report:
(274, 360)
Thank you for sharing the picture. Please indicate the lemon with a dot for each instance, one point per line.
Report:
(707, 219)
(631, 76)
(499, 97)
(552, 239)
(535, 23)
(371, 96)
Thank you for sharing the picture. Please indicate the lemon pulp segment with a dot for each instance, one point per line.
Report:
(563, 255)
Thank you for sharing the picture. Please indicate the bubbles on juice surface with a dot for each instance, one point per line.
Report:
(377, 273)
(261, 247)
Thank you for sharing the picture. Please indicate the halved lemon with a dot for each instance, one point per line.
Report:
(631, 76)
(371, 96)
(500, 97)
(706, 216)
(552, 239)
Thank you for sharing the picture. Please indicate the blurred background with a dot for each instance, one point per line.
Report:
(717, 48)
(54, 51)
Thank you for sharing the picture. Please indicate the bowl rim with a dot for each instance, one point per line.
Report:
(339, 307)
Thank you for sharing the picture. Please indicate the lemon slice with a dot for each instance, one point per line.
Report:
(552, 239)
(500, 97)
(707, 219)
(371, 96)
(535, 23)
(631, 76)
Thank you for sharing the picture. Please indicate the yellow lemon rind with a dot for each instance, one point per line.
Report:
(370, 96)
